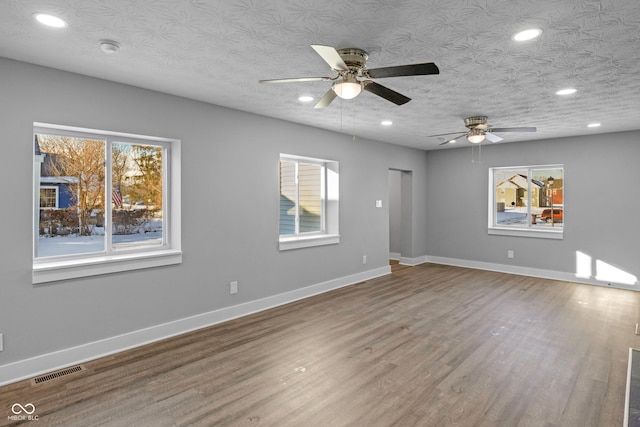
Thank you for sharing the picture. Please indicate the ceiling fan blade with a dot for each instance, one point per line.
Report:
(331, 57)
(297, 79)
(524, 129)
(492, 137)
(404, 70)
(452, 139)
(443, 134)
(326, 99)
(385, 92)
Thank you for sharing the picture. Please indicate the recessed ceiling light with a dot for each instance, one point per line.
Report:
(527, 34)
(49, 20)
(386, 123)
(567, 91)
(305, 98)
(453, 141)
(593, 125)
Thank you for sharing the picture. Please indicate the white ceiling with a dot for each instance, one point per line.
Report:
(216, 51)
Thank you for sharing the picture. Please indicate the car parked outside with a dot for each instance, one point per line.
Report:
(557, 215)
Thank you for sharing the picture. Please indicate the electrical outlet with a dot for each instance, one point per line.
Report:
(510, 254)
(233, 287)
(378, 203)
(364, 259)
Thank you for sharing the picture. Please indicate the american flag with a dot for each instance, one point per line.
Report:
(116, 197)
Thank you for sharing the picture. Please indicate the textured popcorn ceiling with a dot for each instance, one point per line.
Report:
(216, 51)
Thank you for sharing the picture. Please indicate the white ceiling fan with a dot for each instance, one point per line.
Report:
(353, 75)
(479, 130)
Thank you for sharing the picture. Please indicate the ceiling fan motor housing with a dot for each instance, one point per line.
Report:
(354, 58)
(476, 121)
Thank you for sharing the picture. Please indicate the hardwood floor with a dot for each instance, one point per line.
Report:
(430, 345)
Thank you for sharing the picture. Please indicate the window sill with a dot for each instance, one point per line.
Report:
(298, 242)
(52, 271)
(525, 232)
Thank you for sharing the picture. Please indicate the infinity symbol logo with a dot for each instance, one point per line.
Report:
(28, 409)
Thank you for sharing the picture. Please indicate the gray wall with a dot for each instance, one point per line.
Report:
(601, 203)
(229, 172)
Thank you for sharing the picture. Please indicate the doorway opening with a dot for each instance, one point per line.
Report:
(400, 216)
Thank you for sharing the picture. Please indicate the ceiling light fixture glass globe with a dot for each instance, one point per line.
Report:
(347, 88)
(476, 136)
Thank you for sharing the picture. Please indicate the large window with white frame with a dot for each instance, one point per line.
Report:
(527, 201)
(115, 205)
(308, 203)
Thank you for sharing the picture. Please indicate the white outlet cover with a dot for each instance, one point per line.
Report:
(378, 203)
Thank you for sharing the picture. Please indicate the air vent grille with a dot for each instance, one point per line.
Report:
(57, 374)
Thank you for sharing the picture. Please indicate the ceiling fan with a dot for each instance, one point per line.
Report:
(350, 66)
(479, 130)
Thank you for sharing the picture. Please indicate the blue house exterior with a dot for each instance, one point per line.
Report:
(55, 191)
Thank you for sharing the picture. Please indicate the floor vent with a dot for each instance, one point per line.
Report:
(57, 374)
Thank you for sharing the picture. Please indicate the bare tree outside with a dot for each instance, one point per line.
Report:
(119, 160)
(83, 160)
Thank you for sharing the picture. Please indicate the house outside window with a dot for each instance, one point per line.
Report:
(527, 201)
(88, 176)
(308, 203)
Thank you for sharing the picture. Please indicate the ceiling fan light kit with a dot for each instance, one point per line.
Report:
(476, 136)
(348, 87)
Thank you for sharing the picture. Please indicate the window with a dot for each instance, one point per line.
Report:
(308, 202)
(114, 204)
(527, 201)
(48, 197)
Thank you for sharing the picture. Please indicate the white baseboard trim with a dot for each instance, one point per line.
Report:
(524, 271)
(45, 363)
(502, 268)
(394, 255)
(413, 261)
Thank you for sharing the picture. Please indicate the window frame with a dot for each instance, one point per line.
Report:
(56, 190)
(328, 233)
(48, 269)
(526, 231)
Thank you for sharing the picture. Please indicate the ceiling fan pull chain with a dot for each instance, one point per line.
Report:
(354, 120)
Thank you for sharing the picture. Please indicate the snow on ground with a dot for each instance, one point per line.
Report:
(518, 216)
(73, 244)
